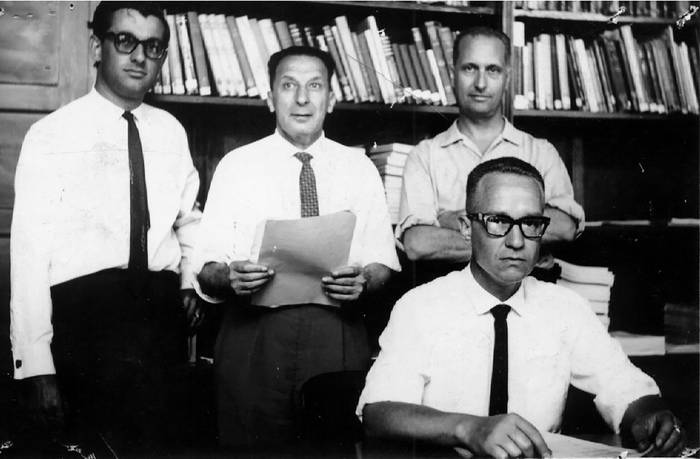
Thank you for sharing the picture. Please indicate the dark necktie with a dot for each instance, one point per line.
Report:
(140, 219)
(307, 186)
(498, 403)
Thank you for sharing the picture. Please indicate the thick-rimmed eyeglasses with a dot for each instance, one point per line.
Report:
(125, 43)
(499, 225)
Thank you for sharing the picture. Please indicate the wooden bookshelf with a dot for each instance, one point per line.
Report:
(569, 16)
(583, 115)
(418, 7)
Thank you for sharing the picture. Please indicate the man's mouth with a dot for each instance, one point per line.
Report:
(136, 73)
(480, 97)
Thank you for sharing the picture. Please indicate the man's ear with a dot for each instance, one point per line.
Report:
(465, 227)
(95, 48)
(331, 102)
(270, 104)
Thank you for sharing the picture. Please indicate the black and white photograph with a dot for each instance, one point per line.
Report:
(349, 229)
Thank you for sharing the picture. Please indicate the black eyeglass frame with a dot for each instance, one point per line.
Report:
(481, 218)
(115, 40)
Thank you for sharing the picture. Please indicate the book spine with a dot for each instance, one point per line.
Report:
(432, 31)
(200, 61)
(178, 81)
(425, 64)
(349, 49)
(225, 65)
(579, 101)
(374, 44)
(309, 36)
(257, 66)
(251, 89)
(345, 61)
(528, 76)
(267, 29)
(296, 35)
(417, 66)
(165, 76)
(186, 51)
(415, 91)
(447, 44)
(259, 42)
(213, 54)
(340, 70)
(234, 75)
(562, 71)
(282, 30)
(335, 84)
(393, 70)
(405, 89)
(365, 70)
(436, 75)
(628, 41)
(519, 97)
(371, 67)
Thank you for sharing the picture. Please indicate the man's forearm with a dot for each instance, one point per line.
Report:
(562, 227)
(214, 280)
(398, 420)
(424, 242)
(377, 276)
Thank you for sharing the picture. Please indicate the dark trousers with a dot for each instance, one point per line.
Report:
(114, 351)
(262, 358)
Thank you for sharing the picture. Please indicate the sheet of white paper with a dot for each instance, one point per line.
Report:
(565, 446)
(301, 252)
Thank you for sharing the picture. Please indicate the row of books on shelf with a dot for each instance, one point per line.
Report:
(656, 9)
(216, 54)
(612, 72)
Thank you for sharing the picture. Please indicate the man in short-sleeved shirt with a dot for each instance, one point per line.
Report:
(434, 178)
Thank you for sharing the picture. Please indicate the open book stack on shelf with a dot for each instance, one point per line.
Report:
(390, 159)
(591, 282)
(610, 71)
(226, 55)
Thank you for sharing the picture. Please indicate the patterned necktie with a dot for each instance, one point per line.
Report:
(140, 218)
(498, 403)
(307, 186)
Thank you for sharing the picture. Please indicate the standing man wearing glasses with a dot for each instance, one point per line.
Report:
(482, 358)
(433, 195)
(103, 224)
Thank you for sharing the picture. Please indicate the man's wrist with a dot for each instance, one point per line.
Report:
(640, 407)
(214, 280)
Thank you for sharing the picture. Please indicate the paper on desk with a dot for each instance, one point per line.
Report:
(301, 252)
(565, 446)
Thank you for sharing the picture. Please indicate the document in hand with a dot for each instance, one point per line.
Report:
(301, 252)
(565, 446)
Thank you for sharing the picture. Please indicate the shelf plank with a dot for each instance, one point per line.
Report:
(251, 102)
(563, 114)
(590, 17)
(416, 6)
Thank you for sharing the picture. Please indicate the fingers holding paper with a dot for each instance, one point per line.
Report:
(345, 284)
(659, 433)
(246, 277)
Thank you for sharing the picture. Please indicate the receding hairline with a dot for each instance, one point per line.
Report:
(478, 193)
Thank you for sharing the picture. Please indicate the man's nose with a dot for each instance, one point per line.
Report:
(480, 82)
(138, 54)
(515, 238)
(302, 96)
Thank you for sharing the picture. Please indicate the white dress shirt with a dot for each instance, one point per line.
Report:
(71, 215)
(437, 350)
(436, 171)
(260, 181)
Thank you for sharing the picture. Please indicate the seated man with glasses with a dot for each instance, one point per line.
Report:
(104, 221)
(482, 358)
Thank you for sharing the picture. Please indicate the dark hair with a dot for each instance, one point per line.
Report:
(276, 58)
(504, 165)
(481, 31)
(102, 19)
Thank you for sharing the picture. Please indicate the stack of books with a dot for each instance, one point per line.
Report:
(225, 55)
(591, 282)
(613, 71)
(390, 159)
(636, 344)
(654, 9)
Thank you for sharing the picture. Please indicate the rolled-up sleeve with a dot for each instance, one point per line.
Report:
(31, 330)
(600, 367)
(400, 372)
(418, 205)
(559, 192)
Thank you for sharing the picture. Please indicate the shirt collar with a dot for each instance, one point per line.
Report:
(483, 301)
(108, 110)
(509, 134)
(285, 148)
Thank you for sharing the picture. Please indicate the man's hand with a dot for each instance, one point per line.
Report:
(44, 401)
(246, 277)
(450, 219)
(502, 436)
(193, 309)
(345, 284)
(659, 431)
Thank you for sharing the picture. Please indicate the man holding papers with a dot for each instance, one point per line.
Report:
(482, 358)
(263, 355)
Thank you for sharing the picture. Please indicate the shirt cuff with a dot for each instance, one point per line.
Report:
(33, 360)
(408, 222)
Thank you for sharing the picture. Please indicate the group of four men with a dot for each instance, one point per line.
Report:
(105, 219)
